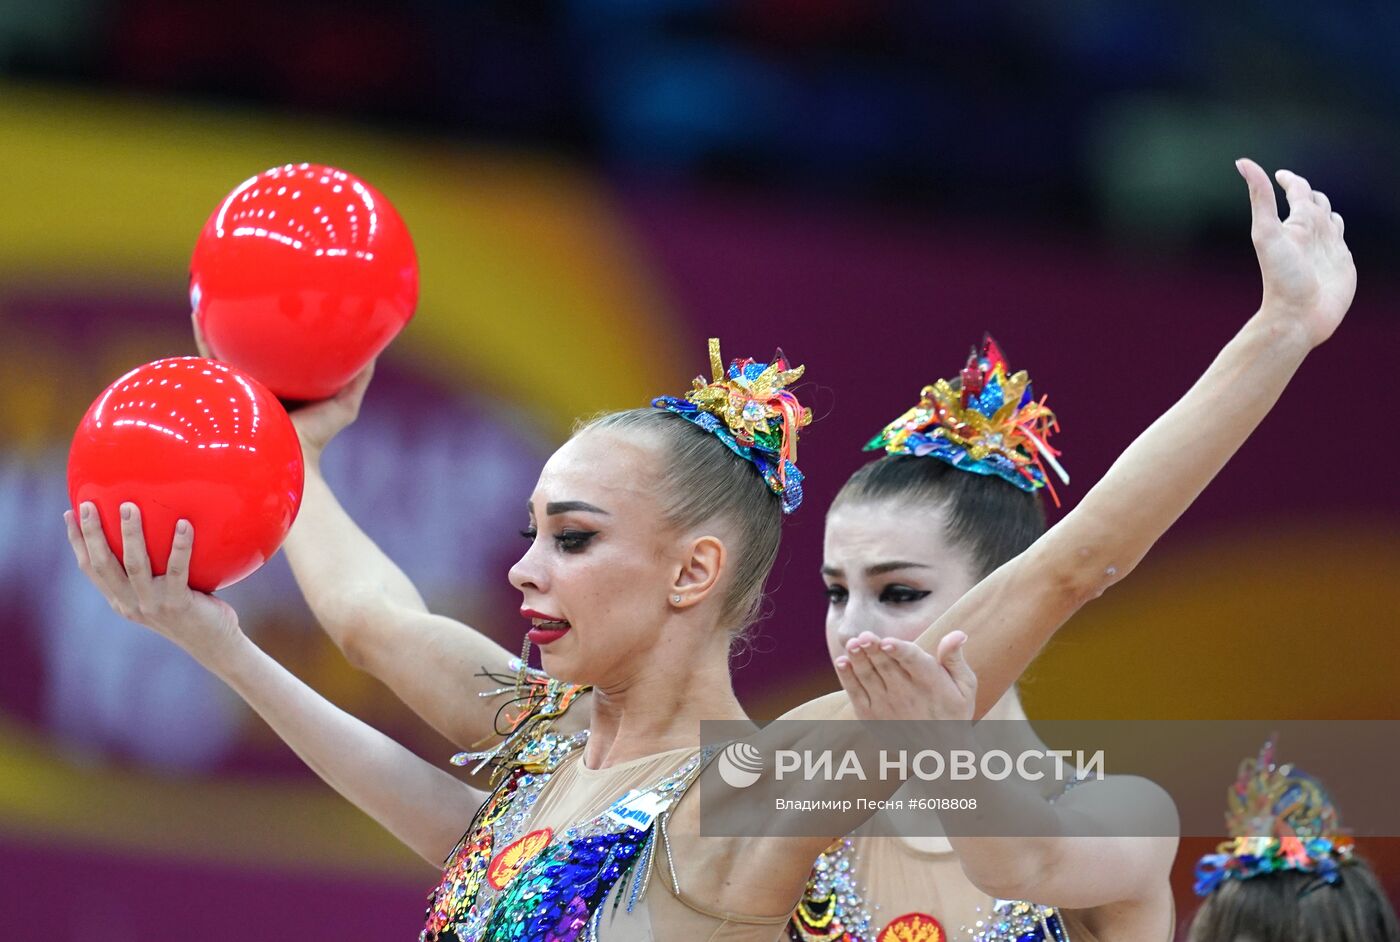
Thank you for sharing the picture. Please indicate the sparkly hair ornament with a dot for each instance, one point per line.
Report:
(1279, 819)
(751, 410)
(984, 421)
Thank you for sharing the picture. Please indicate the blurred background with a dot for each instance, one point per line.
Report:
(595, 187)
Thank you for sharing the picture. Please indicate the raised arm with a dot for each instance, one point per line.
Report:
(423, 806)
(1308, 284)
(371, 609)
(1309, 280)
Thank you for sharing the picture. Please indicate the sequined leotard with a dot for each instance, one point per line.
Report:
(560, 852)
(881, 889)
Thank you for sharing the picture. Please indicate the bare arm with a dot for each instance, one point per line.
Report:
(423, 806)
(1309, 281)
(373, 613)
(371, 609)
(1011, 614)
(1106, 841)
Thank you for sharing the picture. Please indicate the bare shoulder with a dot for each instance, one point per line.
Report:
(1150, 919)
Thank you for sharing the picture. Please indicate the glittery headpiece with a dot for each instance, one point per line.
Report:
(751, 410)
(1278, 819)
(983, 421)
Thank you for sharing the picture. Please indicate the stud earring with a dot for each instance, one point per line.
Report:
(676, 599)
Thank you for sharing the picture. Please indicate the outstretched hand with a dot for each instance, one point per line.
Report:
(890, 679)
(199, 623)
(317, 422)
(1309, 277)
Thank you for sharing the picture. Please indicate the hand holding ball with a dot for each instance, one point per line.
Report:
(302, 275)
(300, 278)
(193, 439)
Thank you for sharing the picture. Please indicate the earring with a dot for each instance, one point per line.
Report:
(676, 599)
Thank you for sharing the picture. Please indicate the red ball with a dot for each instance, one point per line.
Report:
(301, 276)
(194, 439)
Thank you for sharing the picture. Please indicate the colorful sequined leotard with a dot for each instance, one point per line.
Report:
(510, 881)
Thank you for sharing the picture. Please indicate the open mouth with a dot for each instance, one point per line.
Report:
(545, 628)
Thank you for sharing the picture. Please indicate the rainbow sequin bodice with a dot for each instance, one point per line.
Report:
(507, 882)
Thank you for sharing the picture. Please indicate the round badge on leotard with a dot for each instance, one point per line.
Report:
(913, 927)
(515, 855)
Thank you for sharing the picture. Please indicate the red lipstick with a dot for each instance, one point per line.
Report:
(547, 628)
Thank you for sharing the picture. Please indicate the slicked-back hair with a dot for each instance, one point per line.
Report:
(703, 480)
(1289, 906)
(994, 520)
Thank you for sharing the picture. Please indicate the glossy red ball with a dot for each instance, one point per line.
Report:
(194, 439)
(301, 276)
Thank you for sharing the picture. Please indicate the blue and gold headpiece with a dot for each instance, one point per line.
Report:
(985, 420)
(1279, 819)
(751, 410)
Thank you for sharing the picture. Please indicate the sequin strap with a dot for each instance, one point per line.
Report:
(1070, 784)
(669, 791)
(459, 906)
(526, 722)
(1021, 921)
(531, 750)
(671, 879)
